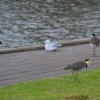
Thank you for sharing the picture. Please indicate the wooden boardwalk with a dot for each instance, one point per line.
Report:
(33, 65)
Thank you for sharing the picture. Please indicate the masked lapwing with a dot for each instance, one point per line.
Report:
(94, 42)
(77, 66)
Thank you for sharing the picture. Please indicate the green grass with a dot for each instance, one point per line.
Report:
(57, 88)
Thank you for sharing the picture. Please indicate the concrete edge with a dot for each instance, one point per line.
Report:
(41, 47)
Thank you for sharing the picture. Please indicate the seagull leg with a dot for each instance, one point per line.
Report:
(74, 76)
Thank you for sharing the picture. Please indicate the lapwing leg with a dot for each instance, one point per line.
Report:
(74, 76)
(94, 50)
(77, 77)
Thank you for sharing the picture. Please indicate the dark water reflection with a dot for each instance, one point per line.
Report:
(30, 22)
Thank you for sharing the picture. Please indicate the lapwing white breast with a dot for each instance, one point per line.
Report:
(51, 46)
(94, 42)
(77, 66)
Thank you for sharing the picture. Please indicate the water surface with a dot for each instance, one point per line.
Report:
(31, 22)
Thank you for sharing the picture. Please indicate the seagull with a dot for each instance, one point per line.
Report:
(77, 66)
(51, 46)
(94, 42)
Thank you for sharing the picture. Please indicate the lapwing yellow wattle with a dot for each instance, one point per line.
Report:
(94, 42)
(77, 66)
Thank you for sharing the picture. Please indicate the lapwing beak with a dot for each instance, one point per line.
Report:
(90, 62)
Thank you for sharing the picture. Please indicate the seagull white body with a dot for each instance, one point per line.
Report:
(51, 46)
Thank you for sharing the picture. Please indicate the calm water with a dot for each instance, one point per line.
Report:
(31, 22)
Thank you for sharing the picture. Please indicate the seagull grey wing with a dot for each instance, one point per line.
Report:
(79, 65)
(55, 44)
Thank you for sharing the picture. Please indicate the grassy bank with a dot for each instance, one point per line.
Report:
(57, 88)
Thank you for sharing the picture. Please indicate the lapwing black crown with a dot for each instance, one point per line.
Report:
(93, 34)
(86, 59)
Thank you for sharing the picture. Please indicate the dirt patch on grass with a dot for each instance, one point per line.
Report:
(77, 97)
